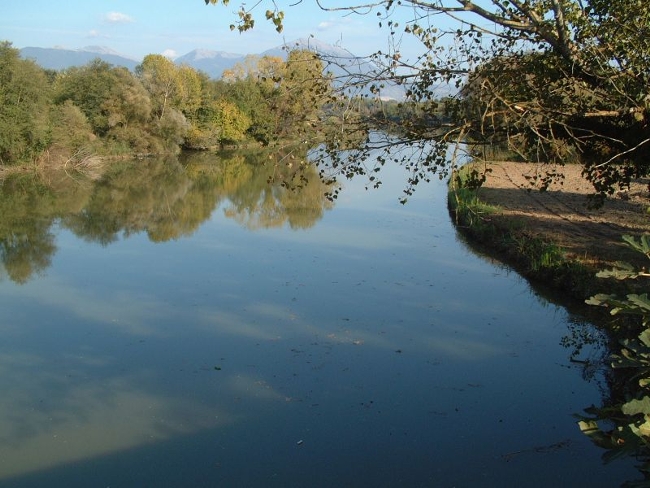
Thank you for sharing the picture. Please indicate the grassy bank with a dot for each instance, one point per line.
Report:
(532, 255)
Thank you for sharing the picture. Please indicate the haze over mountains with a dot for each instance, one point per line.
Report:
(60, 58)
(213, 63)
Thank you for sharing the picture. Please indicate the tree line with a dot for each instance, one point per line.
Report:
(550, 81)
(101, 109)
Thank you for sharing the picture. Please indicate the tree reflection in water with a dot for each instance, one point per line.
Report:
(166, 198)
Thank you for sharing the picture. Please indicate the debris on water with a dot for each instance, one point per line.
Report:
(539, 449)
(217, 368)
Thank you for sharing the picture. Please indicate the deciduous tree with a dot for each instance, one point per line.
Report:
(303, 89)
(24, 107)
(546, 76)
(161, 77)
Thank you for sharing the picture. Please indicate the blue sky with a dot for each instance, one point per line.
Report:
(175, 27)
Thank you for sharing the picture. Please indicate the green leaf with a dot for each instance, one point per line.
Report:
(642, 245)
(644, 337)
(588, 426)
(622, 271)
(640, 301)
(600, 299)
(634, 407)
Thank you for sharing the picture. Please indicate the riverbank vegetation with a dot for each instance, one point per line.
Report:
(80, 115)
(623, 426)
(548, 79)
(532, 254)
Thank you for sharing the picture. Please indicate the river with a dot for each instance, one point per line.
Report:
(174, 325)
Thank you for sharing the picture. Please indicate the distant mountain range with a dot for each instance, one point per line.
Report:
(59, 58)
(213, 63)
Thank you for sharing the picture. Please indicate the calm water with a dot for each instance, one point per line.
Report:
(200, 333)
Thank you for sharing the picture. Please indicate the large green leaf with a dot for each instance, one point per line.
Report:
(634, 407)
(641, 301)
(622, 271)
(642, 245)
(644, 337)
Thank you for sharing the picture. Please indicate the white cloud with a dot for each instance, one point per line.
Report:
(118, 18)
(169, 53)
(95, 34)
(332, 24)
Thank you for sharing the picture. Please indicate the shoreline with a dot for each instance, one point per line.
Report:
(552, 238)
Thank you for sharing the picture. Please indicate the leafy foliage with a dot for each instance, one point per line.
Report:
(98, 108)
(550, 79)
(631, 434)
(24, 107)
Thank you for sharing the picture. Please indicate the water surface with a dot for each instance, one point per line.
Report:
(168, 329)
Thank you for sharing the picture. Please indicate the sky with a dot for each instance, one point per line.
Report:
(135, 28)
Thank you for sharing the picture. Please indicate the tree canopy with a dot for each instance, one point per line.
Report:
(549, 79)
(23, 108)
(73, 115)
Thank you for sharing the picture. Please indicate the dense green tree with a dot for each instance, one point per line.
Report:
(127, 103)
(171, 128)
(24, 107)
(282, 98)
(232, 123)
(161, 78)
(180, 97)
(109, 97)
(70, 127)
(253, 86)
(88, 87)
(121, 110)
(217, 122)
(191, 90)
(253, 99)
(303, 89)
(106, 109)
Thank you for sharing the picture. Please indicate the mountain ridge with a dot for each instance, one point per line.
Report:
(211, 62)
(57, 58)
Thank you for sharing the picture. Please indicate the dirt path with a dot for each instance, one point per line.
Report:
(562, 213)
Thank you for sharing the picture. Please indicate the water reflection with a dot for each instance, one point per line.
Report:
(75, 419)
(373, 350)
(26, 241)
(166, 199)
